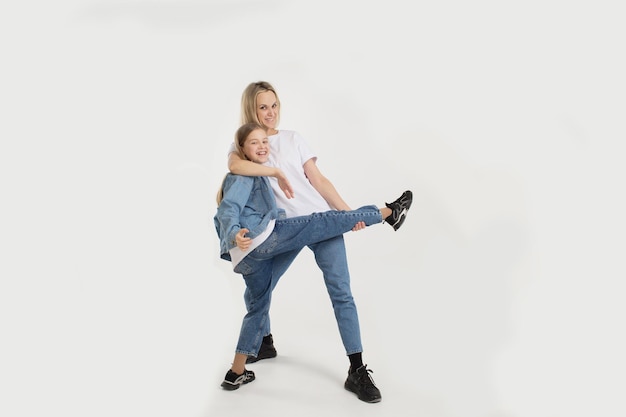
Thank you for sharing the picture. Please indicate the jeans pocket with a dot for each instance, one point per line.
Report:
(269, 245)
(243, 268)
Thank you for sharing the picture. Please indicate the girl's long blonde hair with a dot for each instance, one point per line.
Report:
(240, 139)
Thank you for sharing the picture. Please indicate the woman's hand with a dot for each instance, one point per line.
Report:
(284, 184)
(243, 242)
(359, 226)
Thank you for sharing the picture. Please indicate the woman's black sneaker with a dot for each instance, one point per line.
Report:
(399, 209)
(232, 381)
(361, 383)
(266, 351)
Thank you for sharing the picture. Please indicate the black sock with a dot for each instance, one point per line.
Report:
(356, 361)
(268, 339)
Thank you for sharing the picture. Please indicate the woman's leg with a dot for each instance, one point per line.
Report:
(330, 256)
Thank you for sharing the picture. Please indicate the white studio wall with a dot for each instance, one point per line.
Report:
(501, 296)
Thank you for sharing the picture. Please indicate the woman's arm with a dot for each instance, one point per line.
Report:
(327, 189)
(324, 186)
(239, 166)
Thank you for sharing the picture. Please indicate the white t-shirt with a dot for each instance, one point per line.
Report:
(289, 152)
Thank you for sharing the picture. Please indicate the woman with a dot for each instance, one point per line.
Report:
(254, 232)
(292, 166)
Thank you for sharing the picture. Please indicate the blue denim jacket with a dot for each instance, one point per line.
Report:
(248, 202)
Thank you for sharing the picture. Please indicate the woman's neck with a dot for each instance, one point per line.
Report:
(271, 132)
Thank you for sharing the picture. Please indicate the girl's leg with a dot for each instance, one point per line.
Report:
(297, 232)
(258, 294)
(257, 275)
(239, 363)
(280, 265)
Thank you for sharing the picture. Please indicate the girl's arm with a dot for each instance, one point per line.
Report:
(236, 193)
(239, 166)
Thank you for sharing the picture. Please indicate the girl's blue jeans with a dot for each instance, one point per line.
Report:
(262, 268)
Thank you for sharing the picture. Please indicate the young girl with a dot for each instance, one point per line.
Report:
(254, 233)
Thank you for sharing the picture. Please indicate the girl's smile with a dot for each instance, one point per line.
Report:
(257, 146)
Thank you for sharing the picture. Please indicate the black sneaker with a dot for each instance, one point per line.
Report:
(362, 384)
(399, 209)
(266, 351)
(232, 381)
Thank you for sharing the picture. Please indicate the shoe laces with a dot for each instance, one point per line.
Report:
(367, 377)
(403, 200)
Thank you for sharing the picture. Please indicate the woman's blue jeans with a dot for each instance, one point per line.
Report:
(261, 269)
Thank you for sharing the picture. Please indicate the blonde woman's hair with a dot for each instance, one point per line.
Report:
(248, 102)
(240, 139)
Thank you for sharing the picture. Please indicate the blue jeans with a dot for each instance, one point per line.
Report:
(261, 269)
(331, 258)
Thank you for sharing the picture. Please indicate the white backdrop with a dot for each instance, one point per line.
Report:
(501, 295)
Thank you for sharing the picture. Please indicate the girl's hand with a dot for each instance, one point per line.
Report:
(243, 242)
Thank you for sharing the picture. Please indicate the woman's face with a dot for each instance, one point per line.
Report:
(257, 146)
(267, 110)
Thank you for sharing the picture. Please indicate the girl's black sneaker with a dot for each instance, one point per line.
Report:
(399, 209)
(232, 381)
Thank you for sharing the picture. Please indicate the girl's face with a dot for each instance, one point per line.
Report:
(257, 146)
(267, 110)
